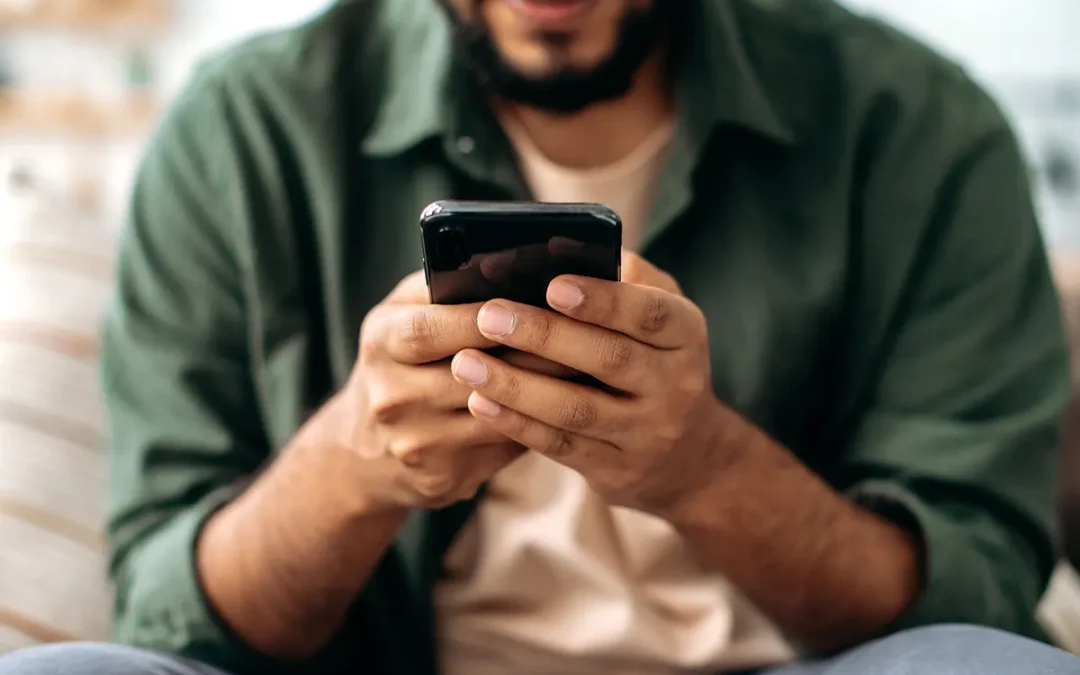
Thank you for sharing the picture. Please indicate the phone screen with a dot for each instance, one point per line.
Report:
(478, 251)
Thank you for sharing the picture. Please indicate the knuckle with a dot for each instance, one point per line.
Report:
(609, 308)
(655, 313)
(691, 386)
(369, 348)
(420, 331)
(509, 388)
(520, 425)
(663, 418)
(413, 460)
(578, 413)
(371, 337)
(623, 481)
(409, 452)
(667, 434)
(614, 353)
(543, 330)
(387, 409)
(560, 444)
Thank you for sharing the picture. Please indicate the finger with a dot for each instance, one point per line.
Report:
(573, 450)
(414, 334)
(565, 405)
(434, 441)
(481, 463)
(655, 317)
(458, 475)
(638, 270)
(613, 358)
(536, 364)
(401, 392)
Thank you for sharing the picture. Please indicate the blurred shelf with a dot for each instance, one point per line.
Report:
(37, 113)
(85, 14)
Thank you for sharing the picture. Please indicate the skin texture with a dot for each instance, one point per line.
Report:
(427, 417)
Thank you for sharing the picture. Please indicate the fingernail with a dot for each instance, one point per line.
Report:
(470, 369)
(565, 295)
(483, 406)
(496, 320)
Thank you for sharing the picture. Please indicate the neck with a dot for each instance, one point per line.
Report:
(604, 133)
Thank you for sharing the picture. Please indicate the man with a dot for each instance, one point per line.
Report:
(832, 420)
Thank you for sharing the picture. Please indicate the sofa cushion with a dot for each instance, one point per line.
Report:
(54, 277)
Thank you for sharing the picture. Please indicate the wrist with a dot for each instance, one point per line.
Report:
(282, 563)
(336, 482)
(335, 462)
(730, 441)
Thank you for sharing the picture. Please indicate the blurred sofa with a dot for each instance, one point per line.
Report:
(55, 269)
(54, 281)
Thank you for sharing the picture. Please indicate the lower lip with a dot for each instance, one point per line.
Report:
(551, 13)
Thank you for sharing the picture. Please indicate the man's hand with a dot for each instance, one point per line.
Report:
(403, 413)
(828, 573)
(648, 441)
(282, 564)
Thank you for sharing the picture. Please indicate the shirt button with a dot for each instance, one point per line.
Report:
(466, 145)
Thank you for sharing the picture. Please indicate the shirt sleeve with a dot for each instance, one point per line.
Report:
(185, 425)
(959, 438)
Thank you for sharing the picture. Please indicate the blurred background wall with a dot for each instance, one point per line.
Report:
(85, 79)
(1027, 52)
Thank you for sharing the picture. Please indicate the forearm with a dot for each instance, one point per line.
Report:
(284, 562)
(830, 574)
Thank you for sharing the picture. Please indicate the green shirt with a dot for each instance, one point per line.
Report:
(848, 209)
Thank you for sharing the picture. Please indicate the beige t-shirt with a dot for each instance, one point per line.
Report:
(546, 578)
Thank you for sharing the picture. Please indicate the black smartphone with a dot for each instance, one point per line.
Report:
(476, 251)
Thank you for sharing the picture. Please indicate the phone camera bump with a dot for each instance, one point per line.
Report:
(453, 248)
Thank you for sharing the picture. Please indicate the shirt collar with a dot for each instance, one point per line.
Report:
(719, 81)
(425, 95)
(416, 93)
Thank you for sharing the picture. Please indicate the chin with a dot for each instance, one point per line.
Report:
(559, 68)
(578, 40)
(539, 63)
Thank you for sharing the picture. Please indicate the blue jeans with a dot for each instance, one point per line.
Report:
(940, 650)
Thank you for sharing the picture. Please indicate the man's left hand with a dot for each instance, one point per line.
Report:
(648, 442)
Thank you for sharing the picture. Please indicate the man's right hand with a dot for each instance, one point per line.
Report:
(282, 564)
(405, 416)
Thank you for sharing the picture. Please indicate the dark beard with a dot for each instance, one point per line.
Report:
(567, 90)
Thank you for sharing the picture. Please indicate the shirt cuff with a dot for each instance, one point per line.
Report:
(962, 582)
(161, 602)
